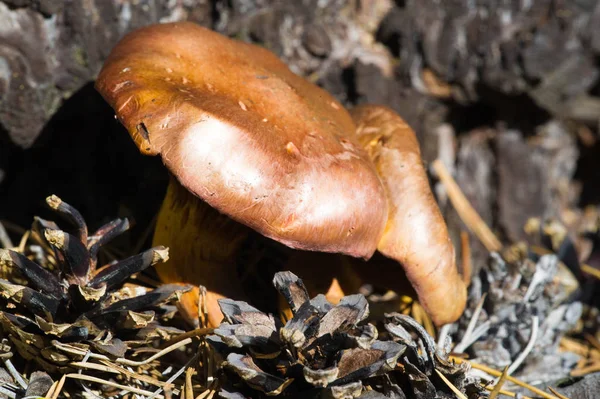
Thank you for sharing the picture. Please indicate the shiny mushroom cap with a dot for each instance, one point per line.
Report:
(242, 132)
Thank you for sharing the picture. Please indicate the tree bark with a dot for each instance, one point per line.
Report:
(49, 49)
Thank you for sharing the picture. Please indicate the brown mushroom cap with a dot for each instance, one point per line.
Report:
(242, 132)
(416, 234)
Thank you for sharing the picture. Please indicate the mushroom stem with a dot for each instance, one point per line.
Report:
(204, 246)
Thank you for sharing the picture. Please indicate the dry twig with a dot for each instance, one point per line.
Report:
(465, 210)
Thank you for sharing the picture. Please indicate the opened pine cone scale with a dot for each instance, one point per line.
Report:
(71, 300)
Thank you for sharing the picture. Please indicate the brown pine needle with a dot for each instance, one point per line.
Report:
(58, 388)
(405, 305)
(590, 270)
(467, 267)
(416, 314)
(198, 332)
(189, 391)
(169, 383)
(52, 389)
(424, 319)
(89, 378)
(454, 389)
(559, 395)
(581, 363)
(204, 394)
(23, 242)
(507, 393)
(579, 348)
(133, 375)
(586, 370)
(465, 210)
(5, 240)
(94, 366)
(498, 386)
(155, 356)
(497, 373)
(592, 340)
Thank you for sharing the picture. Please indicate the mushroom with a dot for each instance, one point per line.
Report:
(416, 234)
(250, 146)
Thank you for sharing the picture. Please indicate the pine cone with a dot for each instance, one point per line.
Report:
(324, 351)
(71, 306)
(535, 284)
